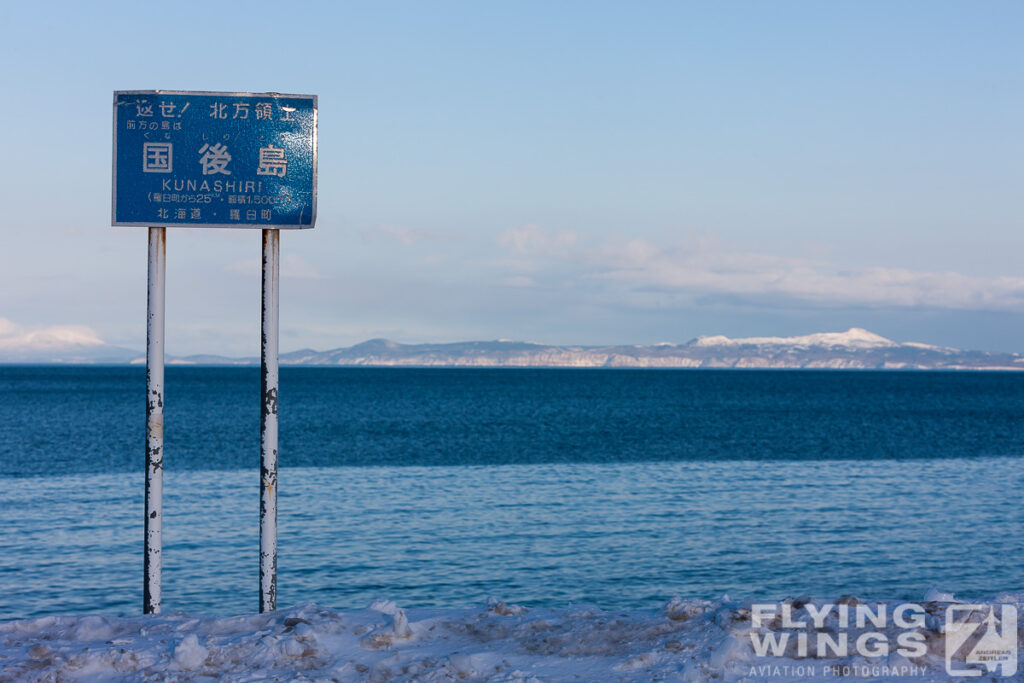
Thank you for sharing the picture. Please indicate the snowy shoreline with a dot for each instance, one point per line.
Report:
(688, 640)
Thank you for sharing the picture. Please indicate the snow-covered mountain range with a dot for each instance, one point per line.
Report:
(853, 349)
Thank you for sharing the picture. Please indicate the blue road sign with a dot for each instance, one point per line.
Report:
(212, 159)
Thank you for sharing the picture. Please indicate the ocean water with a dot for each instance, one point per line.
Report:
(441, 487)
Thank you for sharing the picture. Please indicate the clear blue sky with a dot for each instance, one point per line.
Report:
(566, 172)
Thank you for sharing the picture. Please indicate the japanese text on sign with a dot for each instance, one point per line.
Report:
(214, 159)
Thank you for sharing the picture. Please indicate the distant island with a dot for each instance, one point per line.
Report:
(854, 349)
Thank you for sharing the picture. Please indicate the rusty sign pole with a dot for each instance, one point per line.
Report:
(154, 421)
(268, 421)
(188, 158)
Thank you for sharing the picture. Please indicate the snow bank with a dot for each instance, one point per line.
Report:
(689, 640)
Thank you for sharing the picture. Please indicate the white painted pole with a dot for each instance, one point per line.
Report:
(154, 421)
(268, 421)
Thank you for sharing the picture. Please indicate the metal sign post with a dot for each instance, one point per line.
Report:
(213, 160)
(268, 421)
(154, 421)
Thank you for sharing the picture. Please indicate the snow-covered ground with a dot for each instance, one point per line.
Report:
(688, 640)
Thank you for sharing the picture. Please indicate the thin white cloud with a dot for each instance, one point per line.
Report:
(533, 239)
(390, 233)
(703, 267)
(815, 282)
(404, 236)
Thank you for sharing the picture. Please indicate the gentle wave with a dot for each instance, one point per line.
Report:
(628, 535)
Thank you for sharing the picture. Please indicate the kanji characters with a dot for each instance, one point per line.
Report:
(272, 161)
(214, 159)
(157, 157)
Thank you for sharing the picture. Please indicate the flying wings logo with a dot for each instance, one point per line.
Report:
(976, 636)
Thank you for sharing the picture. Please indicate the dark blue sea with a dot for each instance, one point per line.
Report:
(441, 487)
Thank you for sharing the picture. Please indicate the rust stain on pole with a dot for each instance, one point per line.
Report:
(268, 421)
(153, 534)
